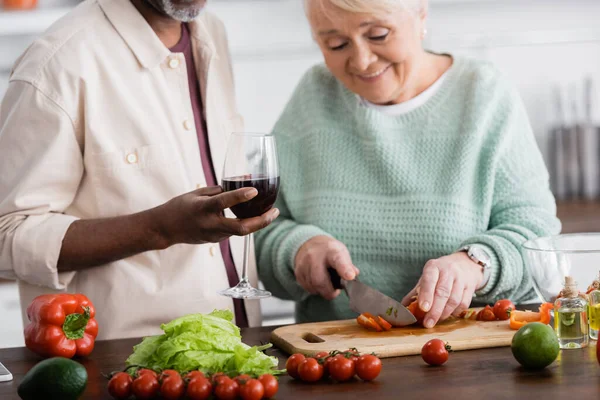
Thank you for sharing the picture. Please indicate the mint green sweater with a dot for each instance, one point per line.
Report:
(463, 168)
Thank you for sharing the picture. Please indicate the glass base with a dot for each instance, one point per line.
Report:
(244, 290)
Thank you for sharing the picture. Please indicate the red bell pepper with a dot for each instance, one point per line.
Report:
(62, 325)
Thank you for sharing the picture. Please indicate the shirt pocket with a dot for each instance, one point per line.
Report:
(135, 179)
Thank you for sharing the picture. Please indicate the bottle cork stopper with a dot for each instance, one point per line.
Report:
(570, 287)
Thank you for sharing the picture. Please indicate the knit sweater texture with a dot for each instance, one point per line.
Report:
(463, 168)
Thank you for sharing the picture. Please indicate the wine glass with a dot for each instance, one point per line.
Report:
(251, 161)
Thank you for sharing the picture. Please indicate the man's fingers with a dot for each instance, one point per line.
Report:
(442, 292)
(338, 258)
(208, 191)
(429, 281)
(243, 227)
(225, 200)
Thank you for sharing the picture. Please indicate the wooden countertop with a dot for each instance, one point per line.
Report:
(475, 374)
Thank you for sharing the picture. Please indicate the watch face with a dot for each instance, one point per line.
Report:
(481, 255)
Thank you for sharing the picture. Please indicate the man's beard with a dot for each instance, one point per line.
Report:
(185, 14)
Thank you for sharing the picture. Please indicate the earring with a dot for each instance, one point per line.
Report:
(424, 33)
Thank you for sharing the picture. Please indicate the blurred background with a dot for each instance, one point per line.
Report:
(549, 48)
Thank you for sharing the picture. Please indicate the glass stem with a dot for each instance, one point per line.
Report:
(246, 259)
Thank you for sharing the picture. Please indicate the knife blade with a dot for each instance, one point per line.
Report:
(364, 298)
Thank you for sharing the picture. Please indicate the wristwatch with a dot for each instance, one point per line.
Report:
(479, 255)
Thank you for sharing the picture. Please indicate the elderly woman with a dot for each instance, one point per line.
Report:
(419, 170)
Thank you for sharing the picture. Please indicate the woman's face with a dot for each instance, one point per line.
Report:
(375, 57)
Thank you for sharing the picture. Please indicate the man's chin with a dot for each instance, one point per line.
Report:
(180, 10)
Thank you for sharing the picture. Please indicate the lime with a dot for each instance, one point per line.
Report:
(56, 378)
(535, 345)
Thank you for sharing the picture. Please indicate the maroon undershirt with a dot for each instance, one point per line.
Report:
(184, 46)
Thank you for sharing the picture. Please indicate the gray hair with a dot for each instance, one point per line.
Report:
(372, 6)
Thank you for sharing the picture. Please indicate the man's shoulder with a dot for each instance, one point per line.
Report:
(67, 39)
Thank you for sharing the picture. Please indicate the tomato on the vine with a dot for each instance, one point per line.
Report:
(310, 370)
(172, 386)
(270, 385)
(145, 387)
(252, 390)
(292, 364)
(194, 374)
(227, 389)
(241, 379)
(119, 386)
(435, 352)
(368, 367)
(341, 368)
(199, 388)
(503, 308)
(145, 371)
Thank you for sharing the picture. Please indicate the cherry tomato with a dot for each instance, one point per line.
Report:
(487, 314)
(241, 379)
(194, 374)
(341, 368)
(416, 311)
(321, 354)
(227, 389)
(353, 354)
(502, 309)
(199, 388)
(435, 352)
(119, 386)
(145, 371)
(217, 377)
(172, 386)
(292, 364)
(368, 367)
(145, 387)
(270, 385)
(310, 370)
(252, 390)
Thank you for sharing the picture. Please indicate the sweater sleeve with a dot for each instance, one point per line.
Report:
(276, 248)
(523, 206)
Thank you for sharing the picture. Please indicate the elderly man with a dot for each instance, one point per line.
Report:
(112, 139)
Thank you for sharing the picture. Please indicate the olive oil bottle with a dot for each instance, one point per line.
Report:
(594, 308)
(570, 317)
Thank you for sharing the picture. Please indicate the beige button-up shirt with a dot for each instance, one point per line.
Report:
(97, 122)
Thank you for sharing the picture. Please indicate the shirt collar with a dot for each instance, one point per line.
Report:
(135, 31)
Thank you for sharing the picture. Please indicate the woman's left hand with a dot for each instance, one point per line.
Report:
(446, 287)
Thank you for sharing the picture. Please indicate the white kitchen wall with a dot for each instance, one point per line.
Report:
(539, 44)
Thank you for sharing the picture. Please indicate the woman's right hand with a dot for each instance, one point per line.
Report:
(197, 217)
(312, 261)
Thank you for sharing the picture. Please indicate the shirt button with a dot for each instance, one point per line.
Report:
(173, 63)
(132, 158)
(212, 250)
(187, 124)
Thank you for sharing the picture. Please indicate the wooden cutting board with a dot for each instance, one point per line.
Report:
(461, 334)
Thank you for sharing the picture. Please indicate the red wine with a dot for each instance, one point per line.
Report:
(263, 202)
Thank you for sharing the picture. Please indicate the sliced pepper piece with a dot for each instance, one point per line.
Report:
(519, 319)
(368, 322)
(386, 326)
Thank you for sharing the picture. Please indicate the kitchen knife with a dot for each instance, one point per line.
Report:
(364, 298)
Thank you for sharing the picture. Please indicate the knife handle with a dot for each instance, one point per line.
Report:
(336, 280)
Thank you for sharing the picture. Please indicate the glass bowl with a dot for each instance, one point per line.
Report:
(550, 259)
